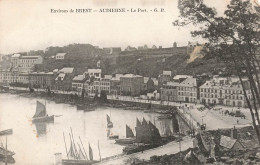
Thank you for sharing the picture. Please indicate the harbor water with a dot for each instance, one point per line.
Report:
(33, 143)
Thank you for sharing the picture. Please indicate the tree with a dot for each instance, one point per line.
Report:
(103, 97)
(233, 38)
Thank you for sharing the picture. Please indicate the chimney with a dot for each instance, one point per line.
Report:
(234, 133)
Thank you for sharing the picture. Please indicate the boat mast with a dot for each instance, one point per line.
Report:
(99, 152)
(5, 150)
(83, 148)
(74, 142)
(65, 146)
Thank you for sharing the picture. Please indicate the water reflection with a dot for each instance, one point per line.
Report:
(41, 129)
(9, 160)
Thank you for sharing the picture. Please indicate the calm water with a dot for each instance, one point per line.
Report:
(36, 144)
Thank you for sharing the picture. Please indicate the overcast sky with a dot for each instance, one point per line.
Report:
(29, 25)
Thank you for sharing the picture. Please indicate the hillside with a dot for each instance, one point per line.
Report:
(146, 63)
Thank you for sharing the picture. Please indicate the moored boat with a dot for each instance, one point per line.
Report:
(77, 155)
(41, 114)
(129, 137)
(109, 122)
(4, 152)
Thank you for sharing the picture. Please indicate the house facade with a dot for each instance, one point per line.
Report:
(131, 84)
(188, 90)
(224, 91)
(60, 56)
(41, 79)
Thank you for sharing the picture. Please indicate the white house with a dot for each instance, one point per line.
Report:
(94, 72)
(60, 56)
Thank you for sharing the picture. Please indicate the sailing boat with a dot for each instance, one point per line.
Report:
(75, 156)
(130, 139)
(110, 135)
(41, 114)
(109, 122)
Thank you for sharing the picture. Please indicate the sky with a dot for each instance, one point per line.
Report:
(29, 24)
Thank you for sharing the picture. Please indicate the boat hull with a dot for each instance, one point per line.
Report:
(78, 162)
(125, 141)
(113, 137)
(4, 152)
(43, 119)
(110, 125)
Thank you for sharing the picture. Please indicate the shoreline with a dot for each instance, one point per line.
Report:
(72, 99)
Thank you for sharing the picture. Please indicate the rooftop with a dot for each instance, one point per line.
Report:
(78, 78)
(177, 77)
(66, 70)
(94, 70)
(16, 55)
(61, 54)
(227, 142)
(132, 76)
(61, 76)
(191, 82)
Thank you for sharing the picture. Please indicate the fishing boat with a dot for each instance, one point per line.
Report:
(110, 135)
(41, 114)
(90, 107)
(130, 139)
(4, 152)
(77, 155)
(109, 122)
(147, 137)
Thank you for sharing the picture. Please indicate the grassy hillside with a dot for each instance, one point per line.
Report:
(84, 56)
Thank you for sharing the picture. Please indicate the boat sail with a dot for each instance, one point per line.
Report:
(41, 114)
(90, 152)
(129, 132)
(75, 156)
(109, 122)
(130, 139)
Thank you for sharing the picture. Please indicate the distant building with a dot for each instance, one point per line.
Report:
(7, 76)
(23, 78)
(129, 48)
(64, 79)
(115, 84)
(42, 79)
(180, 78)
(60, 56)
(154, 47)
(112, 50)
(98, 64)
(24, 63)
(131, 84)
(224, 91)
(96, 73)
(188, 90)
(78, 83)
(102, 85)
(169, 91)
(153, 95)
(164, 78)
(175, 45)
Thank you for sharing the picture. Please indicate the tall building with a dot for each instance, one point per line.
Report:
(131, 84)
(23, 63)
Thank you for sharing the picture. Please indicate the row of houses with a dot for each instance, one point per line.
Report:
(218, 90)
(179, 88)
